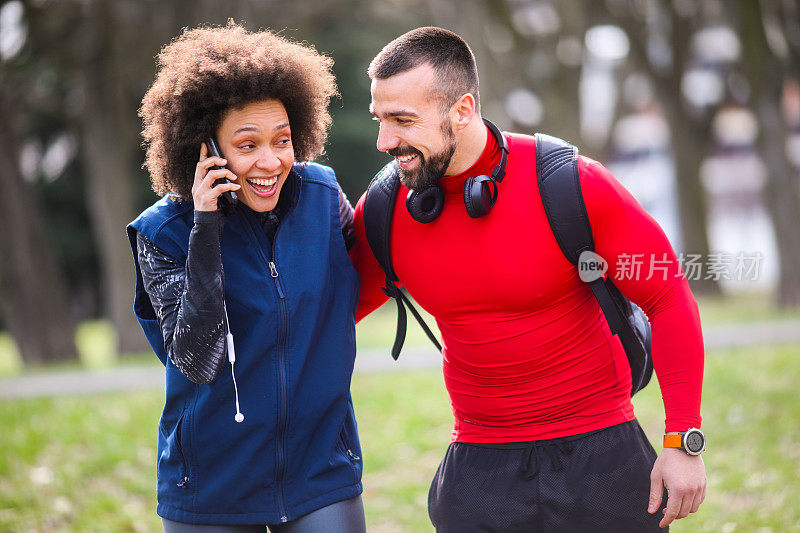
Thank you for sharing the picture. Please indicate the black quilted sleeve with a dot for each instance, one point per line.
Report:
(346, 217)
(188, 299)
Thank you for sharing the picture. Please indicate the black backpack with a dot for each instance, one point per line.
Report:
(559, 186)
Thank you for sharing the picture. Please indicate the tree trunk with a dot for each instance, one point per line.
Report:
(782, 200)
(561, 99)
(690, 140)
(109, 140)
(34, 299)
(689, 147)
(782, 197)
(689, 134)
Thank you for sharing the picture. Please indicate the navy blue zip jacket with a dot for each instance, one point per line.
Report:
(297, 449)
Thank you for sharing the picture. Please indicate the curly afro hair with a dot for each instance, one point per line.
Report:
(207, 71)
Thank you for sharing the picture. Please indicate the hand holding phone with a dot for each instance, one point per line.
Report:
(228, 197)
(209, 186)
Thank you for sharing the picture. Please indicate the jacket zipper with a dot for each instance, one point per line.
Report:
(284, 327)
(283, 400)
(283, 407)
(185, 481)
(283, 410)
(353, 457)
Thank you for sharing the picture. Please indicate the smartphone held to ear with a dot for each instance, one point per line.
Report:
(228, 197)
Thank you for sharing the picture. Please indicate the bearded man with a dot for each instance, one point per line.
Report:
(545, 436)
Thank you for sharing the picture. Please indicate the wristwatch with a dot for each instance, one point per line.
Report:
(691, 441)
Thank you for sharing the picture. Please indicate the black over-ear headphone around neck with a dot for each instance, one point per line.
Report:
(480, 192)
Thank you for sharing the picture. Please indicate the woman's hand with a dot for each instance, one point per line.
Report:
(204, 193)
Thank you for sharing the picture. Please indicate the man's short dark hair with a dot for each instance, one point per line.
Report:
(447, 53)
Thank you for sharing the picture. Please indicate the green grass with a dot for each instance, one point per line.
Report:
(96, 342)
(376, 331)
(404, 420)
(87, 463)
(10, 361)
(742, 308)
(79, 464)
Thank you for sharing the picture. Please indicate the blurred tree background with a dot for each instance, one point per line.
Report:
(693, 104)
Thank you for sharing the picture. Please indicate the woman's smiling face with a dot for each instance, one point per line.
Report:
(256, 141)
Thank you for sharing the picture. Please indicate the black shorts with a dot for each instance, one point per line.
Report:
(597, 481)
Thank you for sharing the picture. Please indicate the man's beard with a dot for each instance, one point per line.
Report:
(432, 170)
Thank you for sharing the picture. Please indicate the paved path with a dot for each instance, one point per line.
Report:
(152, 376)
(69, 382)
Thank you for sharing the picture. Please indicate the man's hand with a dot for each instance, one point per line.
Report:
(684, 476)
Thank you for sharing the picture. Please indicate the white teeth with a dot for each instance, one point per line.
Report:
(406, 158)
(264, 182)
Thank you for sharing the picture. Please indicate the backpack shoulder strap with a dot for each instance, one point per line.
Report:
(378, 210)
(560, 189)
(562, 198)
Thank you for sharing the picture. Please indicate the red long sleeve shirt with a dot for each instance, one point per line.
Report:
(527, 353)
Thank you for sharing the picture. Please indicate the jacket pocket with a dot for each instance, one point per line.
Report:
(351, 452)
(180, 439)
(354, 458)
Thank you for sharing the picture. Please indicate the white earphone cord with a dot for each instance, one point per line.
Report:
(232, 358)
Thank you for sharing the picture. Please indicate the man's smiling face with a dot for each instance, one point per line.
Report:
(413, 127)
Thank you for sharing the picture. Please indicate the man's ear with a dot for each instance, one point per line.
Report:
(463, 110)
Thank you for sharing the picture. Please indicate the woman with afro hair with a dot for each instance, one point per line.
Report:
(242, 265)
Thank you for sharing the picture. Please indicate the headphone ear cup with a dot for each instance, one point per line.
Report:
(425, 205)
(478, 197)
